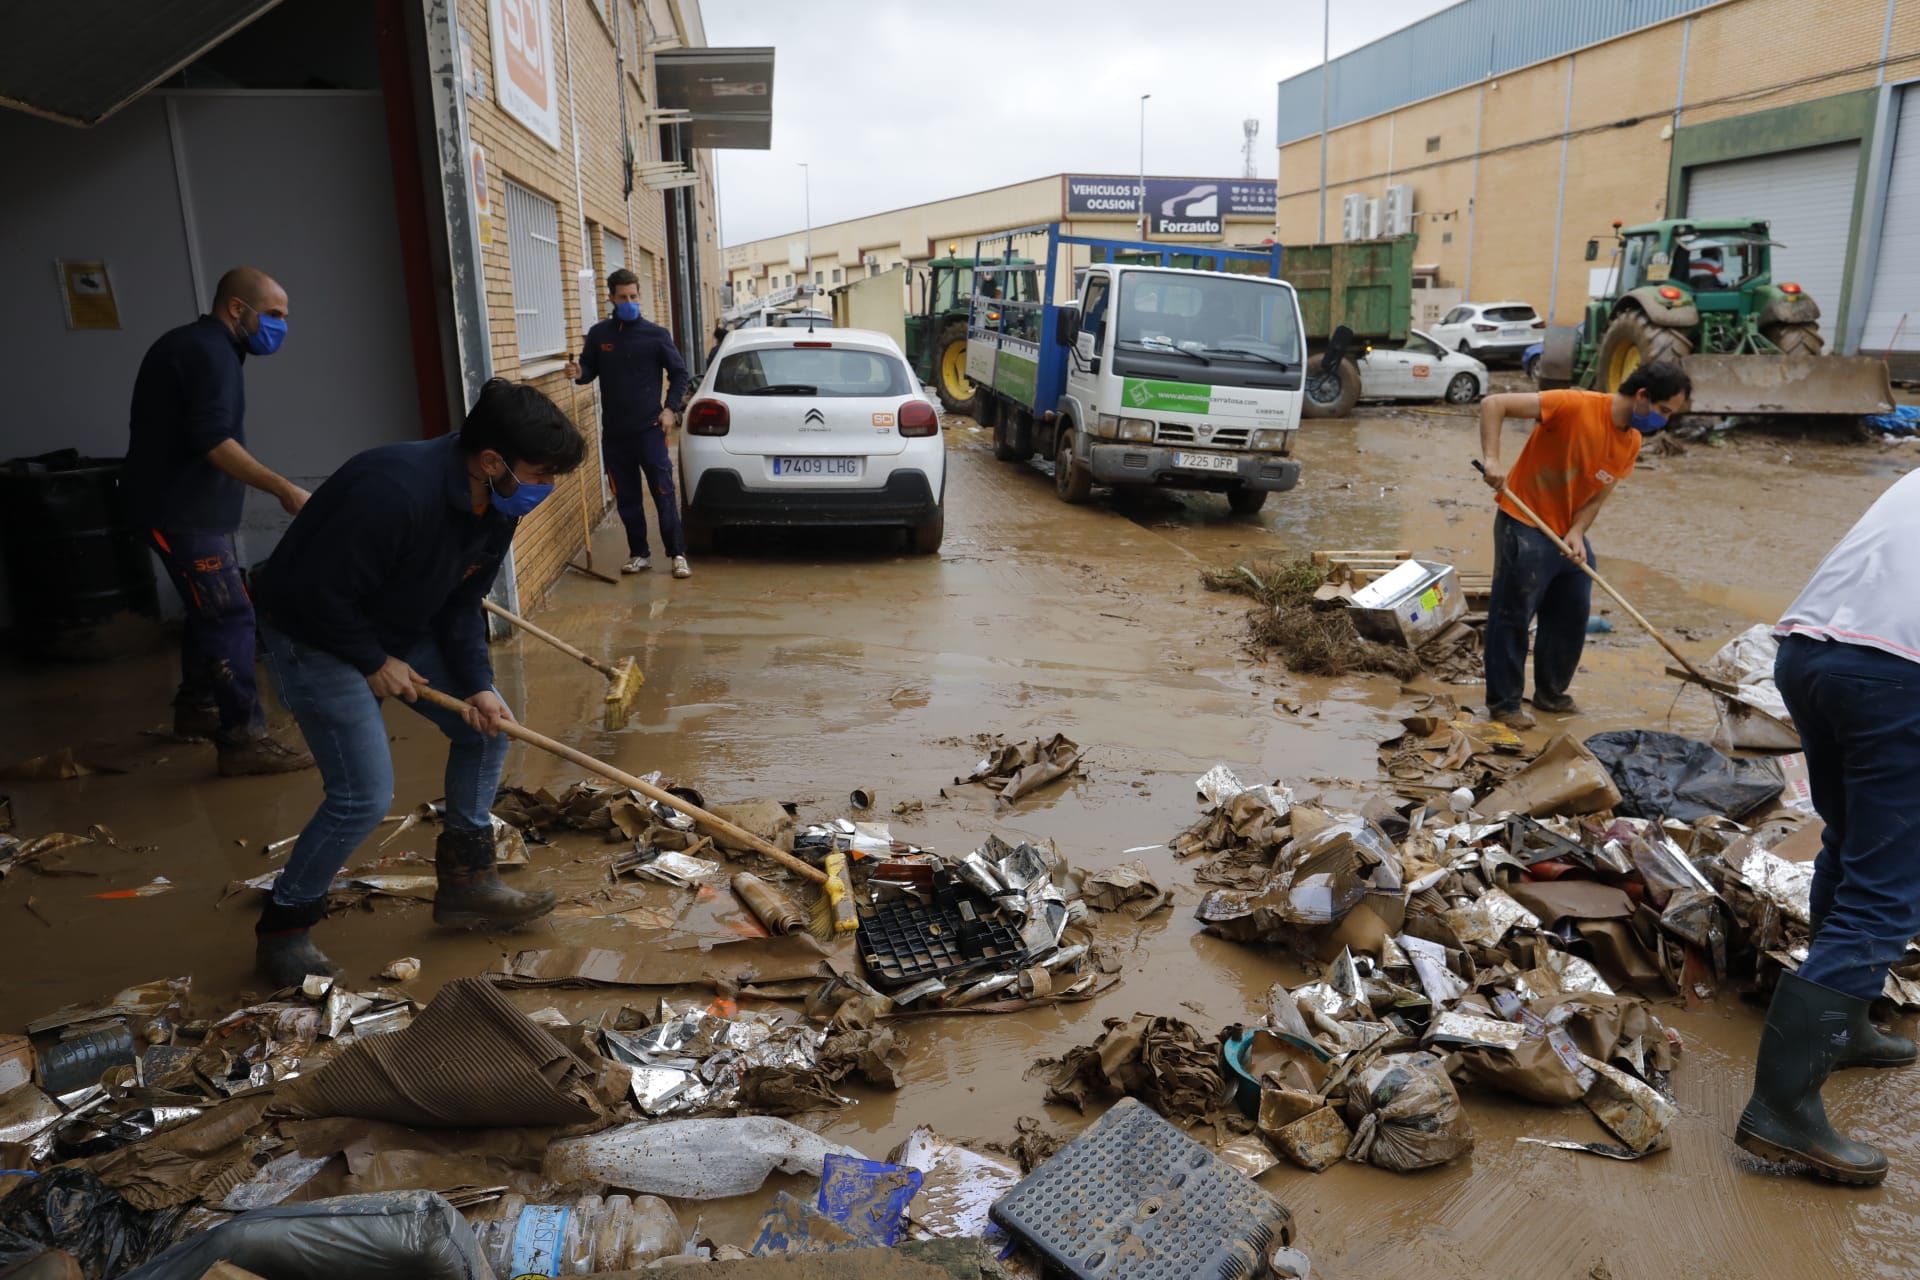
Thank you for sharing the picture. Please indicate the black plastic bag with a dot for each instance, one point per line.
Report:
(1663, 775)
(73, 1210)
(387, 1235)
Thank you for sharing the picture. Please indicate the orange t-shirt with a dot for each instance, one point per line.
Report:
(1575, 453)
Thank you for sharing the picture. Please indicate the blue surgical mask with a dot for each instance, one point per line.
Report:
(266, 340)
(1647, 423)
(521, 501)
(628, 311)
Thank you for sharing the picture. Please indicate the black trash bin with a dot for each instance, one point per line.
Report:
(79, 575)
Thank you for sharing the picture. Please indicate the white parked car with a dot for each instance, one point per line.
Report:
(1421, 370)
(1489, 329)
(795, 428)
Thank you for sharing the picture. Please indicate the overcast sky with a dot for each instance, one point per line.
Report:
(897, 102)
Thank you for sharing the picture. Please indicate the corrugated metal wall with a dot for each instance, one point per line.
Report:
(1459, 46)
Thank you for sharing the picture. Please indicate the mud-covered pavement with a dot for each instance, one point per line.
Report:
(798, 673)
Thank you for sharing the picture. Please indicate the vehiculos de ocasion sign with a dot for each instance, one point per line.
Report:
(1175, 206)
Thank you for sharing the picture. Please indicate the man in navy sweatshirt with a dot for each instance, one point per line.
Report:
(375, 593)
(630, 356)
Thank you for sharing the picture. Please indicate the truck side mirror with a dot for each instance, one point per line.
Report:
(1066, 325)
(1593, 250)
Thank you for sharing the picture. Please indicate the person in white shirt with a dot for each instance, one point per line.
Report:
(1849, 669)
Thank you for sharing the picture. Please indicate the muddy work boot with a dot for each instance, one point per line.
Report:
(1563, 705)
(1512, 717)
(251, 755)
(283, 951)
(1809, 1028)
(1872, 1047)
(195, 721)
(472, 895)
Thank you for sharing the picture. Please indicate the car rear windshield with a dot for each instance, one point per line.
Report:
(1510, 315)
(811, 371)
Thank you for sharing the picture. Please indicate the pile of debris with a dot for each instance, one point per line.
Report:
(1502, 925)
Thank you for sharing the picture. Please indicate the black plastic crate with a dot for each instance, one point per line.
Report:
(961, 931)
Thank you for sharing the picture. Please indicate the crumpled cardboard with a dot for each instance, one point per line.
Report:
(749, 960)
(206, 1157)
(1565, 778)
(1017, 769)
(1160, 1060)
(1556, 900)
(469, 1060)
(1114, 887)
(1316, 1140)
(1406, 1114)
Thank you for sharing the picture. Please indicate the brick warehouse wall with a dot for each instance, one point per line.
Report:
(1485, 196)
(583, 33)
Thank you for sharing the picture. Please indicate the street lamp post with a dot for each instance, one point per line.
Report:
(806, 180)
(1141, 226)
(1326, 47)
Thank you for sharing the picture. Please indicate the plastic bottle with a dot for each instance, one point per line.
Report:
(577, 1238)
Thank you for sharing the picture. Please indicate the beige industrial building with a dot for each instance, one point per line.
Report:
(1222, 210)
(1505, 147)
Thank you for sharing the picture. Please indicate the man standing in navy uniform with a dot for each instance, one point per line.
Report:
(630, 356)
(187, 473)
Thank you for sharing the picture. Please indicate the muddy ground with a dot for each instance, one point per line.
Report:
(799, 672)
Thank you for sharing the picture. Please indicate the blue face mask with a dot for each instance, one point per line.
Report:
(627, 310)
(1647, 423)
(521, 501)
(266, 340)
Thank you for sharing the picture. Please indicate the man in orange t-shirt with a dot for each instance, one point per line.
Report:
(1585, 445)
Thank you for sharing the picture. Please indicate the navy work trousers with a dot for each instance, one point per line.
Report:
(1857, 710)
(216, 643)
(1533, 584)
(629, 456)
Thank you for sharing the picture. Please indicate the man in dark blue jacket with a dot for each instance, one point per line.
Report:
(630, 356)
(375, 593)
(187, 473)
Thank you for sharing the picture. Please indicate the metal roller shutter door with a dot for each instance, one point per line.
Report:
(1808, 198)
(1894, 303)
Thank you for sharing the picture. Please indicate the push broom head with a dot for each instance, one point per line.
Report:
(622, 686)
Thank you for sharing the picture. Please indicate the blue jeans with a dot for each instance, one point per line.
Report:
(630, 455)
(341, 720)
(1858, 714)
(1533, 584)
(216, 639)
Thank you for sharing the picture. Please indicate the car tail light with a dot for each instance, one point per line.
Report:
(1539, 324)
(1789, 288)
(708, 418)
(1486, 328)
(1670, 293)
(812, 346)
(917, 418)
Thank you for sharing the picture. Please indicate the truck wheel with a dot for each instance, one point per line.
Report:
(1006, 430)
(1073, 482)
(1631, 341)
(1331, 395)
(956, 390)
(1795, 339)
(1245, 502)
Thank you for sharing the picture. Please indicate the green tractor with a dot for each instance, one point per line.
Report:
(937, 332)
(1702, 293)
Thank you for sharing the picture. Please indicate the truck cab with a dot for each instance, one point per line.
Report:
(1170, 366)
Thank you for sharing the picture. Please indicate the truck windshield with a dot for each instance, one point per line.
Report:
(1252, 320)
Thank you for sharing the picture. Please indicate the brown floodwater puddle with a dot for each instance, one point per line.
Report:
(804, 667)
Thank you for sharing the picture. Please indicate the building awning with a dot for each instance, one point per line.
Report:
(728, 94)
(79, 61)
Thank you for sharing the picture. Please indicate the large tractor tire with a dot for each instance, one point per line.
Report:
(1795, 339)
(957, 392)
(1631, 341)
(1328, 395)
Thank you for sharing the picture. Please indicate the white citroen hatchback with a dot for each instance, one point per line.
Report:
(793, 427)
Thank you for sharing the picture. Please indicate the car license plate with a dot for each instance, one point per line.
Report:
(816, 466)
(1205, 462)
(1516, 331)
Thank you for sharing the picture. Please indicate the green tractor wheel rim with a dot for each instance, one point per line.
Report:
(953, 372)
